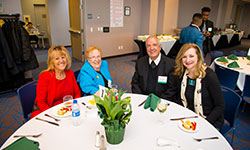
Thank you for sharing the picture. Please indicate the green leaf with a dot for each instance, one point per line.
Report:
(111, 109)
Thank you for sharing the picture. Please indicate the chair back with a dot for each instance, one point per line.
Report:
(214, 54)
(246, 89)
(27, 96)
(76, 73)
(142, 48)
(239, 53)
(232, 104)
(227, 77)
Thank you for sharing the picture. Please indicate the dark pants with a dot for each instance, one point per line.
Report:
(207, 45)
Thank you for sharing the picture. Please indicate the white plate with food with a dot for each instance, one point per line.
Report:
(62, 111)
(190, 126)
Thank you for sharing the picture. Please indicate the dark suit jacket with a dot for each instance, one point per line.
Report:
(140, 78)
(208, 43)
(209, 24)
(212, 99)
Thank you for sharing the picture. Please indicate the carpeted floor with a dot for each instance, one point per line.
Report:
(122, 69)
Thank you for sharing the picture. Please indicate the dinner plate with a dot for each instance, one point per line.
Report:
(186, 130)
(54, 112)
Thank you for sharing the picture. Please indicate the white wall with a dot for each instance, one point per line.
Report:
(59, 22)
(187, 8)
(245, 22)
(11, 7)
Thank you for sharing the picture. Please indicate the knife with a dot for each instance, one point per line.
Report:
(183, 118)
(142, 103)
(48, 121)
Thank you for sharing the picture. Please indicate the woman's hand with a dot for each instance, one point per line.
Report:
(114, 90)
(97, 93)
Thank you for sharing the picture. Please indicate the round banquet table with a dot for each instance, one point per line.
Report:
(243, 70)
(141, 132)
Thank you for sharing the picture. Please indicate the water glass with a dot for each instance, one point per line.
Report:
(67, 98)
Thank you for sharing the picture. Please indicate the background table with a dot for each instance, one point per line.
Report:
(243, 70)
(166, 46)
(227, 40)
(141, 132)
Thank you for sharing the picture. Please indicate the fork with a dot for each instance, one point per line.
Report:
(52, 117)
(86, 105)
(34, 136)
(208, 138)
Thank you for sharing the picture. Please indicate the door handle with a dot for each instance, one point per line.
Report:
(75, 31)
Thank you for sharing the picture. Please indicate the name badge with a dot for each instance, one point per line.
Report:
(209, 29)
(162, 79)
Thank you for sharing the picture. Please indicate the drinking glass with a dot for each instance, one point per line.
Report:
(162, 107)
(67, 98)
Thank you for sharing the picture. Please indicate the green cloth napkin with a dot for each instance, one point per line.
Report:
(233, 65)
(222, 59)
(248, 57)
(232, 57)
(151, 102)
(23, 143)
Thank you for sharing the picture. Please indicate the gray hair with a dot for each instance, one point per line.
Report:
(152, 36)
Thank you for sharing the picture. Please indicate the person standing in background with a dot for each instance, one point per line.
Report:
(192, 33)
(207, 27)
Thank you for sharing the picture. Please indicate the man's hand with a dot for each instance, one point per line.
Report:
(206, 33)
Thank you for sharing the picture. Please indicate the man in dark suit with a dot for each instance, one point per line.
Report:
(152, 71)
(207, 27)
(192, 33)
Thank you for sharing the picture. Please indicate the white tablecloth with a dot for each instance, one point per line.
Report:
(216, 38)
(243, 70)
(141, 132)
(167, 45)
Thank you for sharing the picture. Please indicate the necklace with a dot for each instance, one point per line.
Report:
(61, 76)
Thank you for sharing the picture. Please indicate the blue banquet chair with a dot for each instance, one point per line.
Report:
(227, 77)
(27, 96)
(239, 53)
(214, 54)
(246, 91)
(232, 104)
(76, 73)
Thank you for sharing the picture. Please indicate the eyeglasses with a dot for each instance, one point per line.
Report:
(95, 57)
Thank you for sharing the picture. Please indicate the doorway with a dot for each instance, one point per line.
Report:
(77, 28)
(38, 13)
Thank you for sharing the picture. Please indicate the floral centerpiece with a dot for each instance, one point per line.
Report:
(115, 113)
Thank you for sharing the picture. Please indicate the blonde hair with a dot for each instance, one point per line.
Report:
(180, 68)
(90, 49)
(55, 51)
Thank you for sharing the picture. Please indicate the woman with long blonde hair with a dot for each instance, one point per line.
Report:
(196, 86)
(56, 81)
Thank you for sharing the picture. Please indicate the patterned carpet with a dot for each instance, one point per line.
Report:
(122, 69)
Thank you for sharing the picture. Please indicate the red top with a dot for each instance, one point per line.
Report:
(62, 89)
(49, 91)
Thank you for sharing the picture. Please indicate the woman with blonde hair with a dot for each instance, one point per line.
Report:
(196, 86)
(56, 81)
(94, 72)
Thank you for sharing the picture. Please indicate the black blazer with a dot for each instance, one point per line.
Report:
(140, 77)
(212, 99)
(209, 24)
